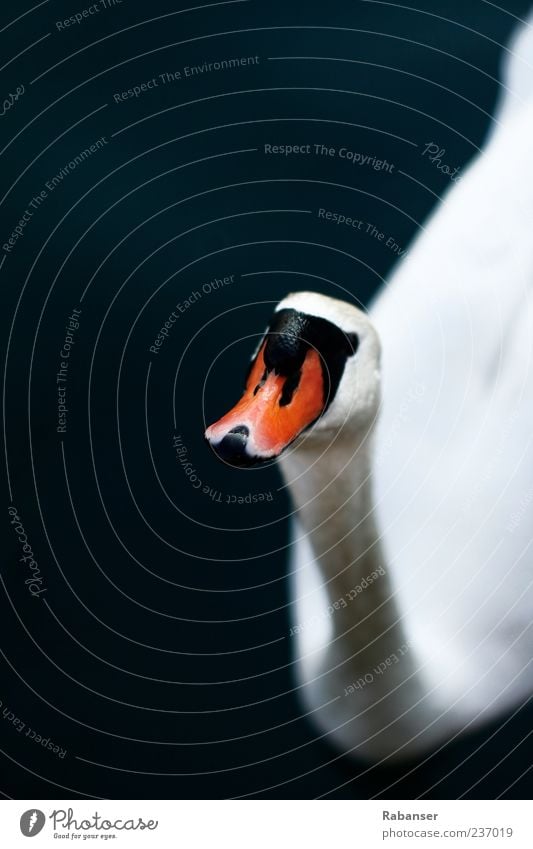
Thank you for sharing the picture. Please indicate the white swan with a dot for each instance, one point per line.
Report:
(413, 482)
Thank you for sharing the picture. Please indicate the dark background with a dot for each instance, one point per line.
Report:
(159, 656)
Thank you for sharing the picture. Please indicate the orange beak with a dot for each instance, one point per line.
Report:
(273, 410)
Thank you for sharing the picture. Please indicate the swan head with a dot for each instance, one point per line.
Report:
(313, 377)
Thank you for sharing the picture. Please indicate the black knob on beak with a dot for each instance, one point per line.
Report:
(232, 448)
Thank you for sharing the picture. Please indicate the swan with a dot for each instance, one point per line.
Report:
(404, 437)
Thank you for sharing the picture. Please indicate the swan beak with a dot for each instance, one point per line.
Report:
(272, 412)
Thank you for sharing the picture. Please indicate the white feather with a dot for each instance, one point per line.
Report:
(452, 468)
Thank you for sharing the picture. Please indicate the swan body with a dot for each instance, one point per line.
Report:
(412, 557)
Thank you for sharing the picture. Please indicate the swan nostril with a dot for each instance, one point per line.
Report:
(242, 430)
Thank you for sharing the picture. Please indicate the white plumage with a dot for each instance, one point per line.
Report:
(442, 492)
(411, 570)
